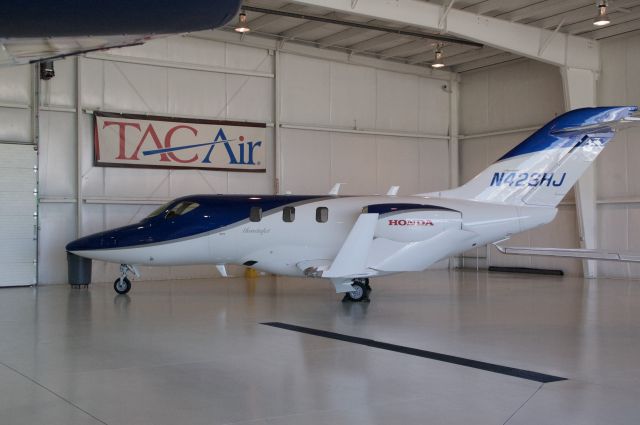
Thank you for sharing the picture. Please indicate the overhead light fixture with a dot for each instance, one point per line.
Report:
(242, 23)
(602, 19)
(438, 62)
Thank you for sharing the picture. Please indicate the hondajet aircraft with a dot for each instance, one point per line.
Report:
(349, 239)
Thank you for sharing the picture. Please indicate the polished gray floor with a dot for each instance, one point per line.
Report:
(194, 352)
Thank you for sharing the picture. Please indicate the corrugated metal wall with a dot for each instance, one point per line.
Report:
(209, 79)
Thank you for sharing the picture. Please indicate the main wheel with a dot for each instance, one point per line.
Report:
(122, 285)
(358, 294)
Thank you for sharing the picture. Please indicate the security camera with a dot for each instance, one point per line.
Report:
(46, 70)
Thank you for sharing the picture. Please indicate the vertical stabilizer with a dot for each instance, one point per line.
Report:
(541, 170)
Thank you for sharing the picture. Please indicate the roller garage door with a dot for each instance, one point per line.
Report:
(18, 219)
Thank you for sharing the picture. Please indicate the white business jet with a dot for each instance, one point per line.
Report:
(349, 239)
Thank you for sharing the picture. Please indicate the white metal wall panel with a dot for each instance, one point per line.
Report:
(434, 168)
(306, 161)
(196, 93)
(57, 154)
(57, 228)
(18, 206)
(433, 104)
(61, 90)
(314, 161)
(353, 96)
(397, 101)
(353, 162)
(15, 125)
(306, 90)
(522, 94)
(15, 84)
(398, 165)
(249, 98)
(15, 90)
(134, 87)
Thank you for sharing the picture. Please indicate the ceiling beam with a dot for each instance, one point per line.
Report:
(361, 25)
(373, 42)
(264, 20)
(482, 63)
(333, 39)
(544, 9)
(520, 39)
(307, 26)
(406, 48)
(470, 56)
(495, 7)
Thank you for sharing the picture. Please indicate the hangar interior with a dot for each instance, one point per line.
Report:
(347, 104)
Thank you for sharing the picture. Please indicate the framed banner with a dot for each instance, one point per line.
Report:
(130, 140)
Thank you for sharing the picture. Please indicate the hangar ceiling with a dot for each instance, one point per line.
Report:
(568, 16)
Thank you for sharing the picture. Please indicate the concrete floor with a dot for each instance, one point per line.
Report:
(193, 352)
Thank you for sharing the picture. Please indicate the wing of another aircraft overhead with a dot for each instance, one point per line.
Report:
(24, 50)
(38, 30)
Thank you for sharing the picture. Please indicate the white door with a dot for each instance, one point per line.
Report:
(18, 215)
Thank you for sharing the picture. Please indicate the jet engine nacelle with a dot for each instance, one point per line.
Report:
(413, 223)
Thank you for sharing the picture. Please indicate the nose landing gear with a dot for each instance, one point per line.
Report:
(122, 285)
(360, 292)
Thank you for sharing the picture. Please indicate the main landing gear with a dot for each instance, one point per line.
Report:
(122, 285)
(360, 293)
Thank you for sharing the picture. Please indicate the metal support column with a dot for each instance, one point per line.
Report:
(454, 133)
(580, 91)
(277, 170)
(79, 150)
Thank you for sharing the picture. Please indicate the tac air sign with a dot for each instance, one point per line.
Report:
(127, 140)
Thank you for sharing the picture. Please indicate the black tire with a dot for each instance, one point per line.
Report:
(122, 287)
(359, 293)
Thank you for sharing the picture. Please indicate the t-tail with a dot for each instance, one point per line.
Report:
(541, 170)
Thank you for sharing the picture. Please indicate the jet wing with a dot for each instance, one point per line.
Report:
(586, 254)
(352, 257)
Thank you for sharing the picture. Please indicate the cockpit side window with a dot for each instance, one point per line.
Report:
(182, 208)
(159, 210)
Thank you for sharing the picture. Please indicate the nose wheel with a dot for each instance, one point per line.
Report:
(122, 285)
(360, 292)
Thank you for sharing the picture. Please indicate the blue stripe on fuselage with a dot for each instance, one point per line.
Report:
(214, 212)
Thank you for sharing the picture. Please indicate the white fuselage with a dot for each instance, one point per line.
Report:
(410, 241)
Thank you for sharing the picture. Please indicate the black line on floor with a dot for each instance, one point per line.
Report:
(460, 361)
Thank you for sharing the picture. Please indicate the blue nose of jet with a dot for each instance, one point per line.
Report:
(93, 242)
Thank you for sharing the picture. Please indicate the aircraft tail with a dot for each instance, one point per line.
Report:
(541, 170)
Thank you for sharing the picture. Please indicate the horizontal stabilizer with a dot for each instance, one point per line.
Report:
(352, 257)
(586, 254)
(600, 127)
